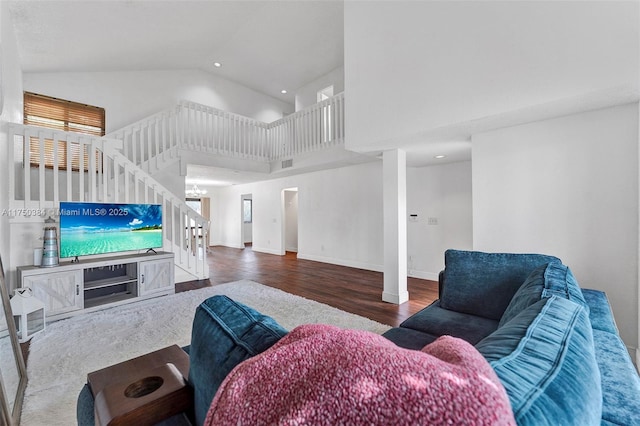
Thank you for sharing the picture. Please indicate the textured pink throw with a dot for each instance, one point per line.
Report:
(323, 375)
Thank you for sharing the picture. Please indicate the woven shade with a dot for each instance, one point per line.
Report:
(67, 116)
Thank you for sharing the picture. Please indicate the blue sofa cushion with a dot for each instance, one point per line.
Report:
(600, 312)
(408, 338)
(437, 321)
(552, 279)
(493, 278)
(85, 408)
(545, 359)
(620, 380)
(224, 334)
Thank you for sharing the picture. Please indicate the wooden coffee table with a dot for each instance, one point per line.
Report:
(143, 391)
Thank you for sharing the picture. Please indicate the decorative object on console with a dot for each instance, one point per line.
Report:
(37, 256)
(50, 247)
(28, 314)
(13, 380)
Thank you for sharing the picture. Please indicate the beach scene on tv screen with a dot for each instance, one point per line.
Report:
(91, 228)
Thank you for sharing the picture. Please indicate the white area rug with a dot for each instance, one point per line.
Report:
(61, 357)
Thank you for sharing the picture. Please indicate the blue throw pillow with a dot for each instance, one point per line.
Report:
(552, 279)
(224, 334)
(483, 284)
(546, 361)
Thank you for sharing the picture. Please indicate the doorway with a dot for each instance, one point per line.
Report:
(290, 222)
(246, 211)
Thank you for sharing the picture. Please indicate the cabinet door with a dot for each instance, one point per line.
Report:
(59, 291)
(155, 276)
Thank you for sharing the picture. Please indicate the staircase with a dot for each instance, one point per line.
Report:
(119, 167)
(97, 172)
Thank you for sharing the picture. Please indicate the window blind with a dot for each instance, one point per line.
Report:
(68, 116)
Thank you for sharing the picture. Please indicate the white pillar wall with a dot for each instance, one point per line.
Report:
(394, 193)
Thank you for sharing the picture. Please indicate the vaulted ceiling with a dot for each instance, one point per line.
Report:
(271, 45)
(264, 45)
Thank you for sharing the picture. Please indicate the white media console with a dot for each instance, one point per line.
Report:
(71, 288)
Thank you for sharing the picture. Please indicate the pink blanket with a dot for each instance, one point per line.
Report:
(322, 375)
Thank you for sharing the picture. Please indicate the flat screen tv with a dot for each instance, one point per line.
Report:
(97, 228)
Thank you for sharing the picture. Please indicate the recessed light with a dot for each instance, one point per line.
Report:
(283, 91)
(439, 157)
(217, 64)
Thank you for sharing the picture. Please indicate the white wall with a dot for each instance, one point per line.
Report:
(340, 217)
(307, 95)
(442, 193)
(566, 187)
(10, 70)
(10, 111)
(414, 66)
(129, 96)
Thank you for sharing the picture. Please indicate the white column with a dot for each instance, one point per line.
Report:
(394, 195)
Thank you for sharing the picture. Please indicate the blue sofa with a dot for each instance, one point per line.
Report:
(554, 346)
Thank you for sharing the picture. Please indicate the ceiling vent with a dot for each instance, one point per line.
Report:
(287, 163)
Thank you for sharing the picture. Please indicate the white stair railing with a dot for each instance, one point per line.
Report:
(151, 142)
(96, 171)
(46, 164)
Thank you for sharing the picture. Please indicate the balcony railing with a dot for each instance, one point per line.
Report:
(201, 128)
(317, 127)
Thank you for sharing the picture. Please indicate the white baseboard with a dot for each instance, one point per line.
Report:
(266, 250)
(237, 246)
(180, 275)
(396, 299)
(341, 262)
(423, 275)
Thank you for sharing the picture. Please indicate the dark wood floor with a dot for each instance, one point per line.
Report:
(353, 290)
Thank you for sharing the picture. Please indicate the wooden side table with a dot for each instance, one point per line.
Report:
(143, 391)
